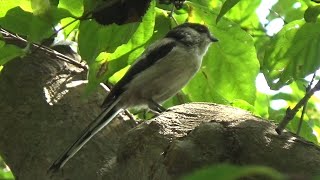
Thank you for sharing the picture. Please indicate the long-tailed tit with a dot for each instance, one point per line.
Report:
(159, 73)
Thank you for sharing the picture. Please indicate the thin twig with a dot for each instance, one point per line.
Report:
(54, 34)
(52, 53)
(171, 14)
(290, 113)
(305, 105)
(271, 10)
(301, 118)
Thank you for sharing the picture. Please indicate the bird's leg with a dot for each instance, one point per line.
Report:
(154, 106)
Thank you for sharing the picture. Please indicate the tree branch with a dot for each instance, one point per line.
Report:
(290, 113)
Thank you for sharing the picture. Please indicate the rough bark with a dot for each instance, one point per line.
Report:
(40, 115)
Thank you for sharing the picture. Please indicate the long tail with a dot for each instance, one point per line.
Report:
(101, 121)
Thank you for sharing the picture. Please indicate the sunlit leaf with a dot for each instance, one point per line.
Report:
(75, 7)
(35, 28)
(292, 54)
(261, 105)
(40, 6)
(227, 5)
(123, 45)
(312, 13)
(95, 38)
(9, 52)
(71, 27)
(289, 10)
(6, 5)
(222, 78)
(243, 105)
(244, 14)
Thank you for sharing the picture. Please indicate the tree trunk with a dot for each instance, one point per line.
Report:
(42, 113)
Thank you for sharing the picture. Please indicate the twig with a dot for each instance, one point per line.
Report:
(290, 113)
(49, 51)
(171, 15)
(271, 10)
(54, 34)
(305, 105)
(301, 118)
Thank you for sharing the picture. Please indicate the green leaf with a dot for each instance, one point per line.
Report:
(71, 27)
(107, 38)
(6, 175)
(90, 5)
(310, 120)
(261, 105)
(292, 54)
(283, 96)
(6, 5)
(54, 2)
(26, 24)
(95, 38)
(75, 7)
(2, 43)
(205, 3)
(9, 52)
(230, 67)
(306, 128)
(231, 172)
(312, 13)
(287, 10)
(56, 14)
(244, 14)
(225, 8)
(40, 6)
(243, 105)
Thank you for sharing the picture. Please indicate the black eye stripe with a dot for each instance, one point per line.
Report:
(200, 28)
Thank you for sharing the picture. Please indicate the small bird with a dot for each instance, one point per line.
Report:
(159, 73)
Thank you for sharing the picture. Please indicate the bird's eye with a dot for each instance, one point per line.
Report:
(202, 30)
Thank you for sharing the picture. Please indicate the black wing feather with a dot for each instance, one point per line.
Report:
(151, 58)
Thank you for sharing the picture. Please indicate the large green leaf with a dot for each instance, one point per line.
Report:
(289, 10)
(292, 54)
(312, 13)
(227, 5)
(123, 45)
(6, 5)
(75, 7)
(35, 28)
(230, 67)
(9, 52)
(261, 105)
(40, 6)
(69, 25)
(244, 14)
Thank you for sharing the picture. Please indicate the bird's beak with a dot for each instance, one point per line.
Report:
(213, 39)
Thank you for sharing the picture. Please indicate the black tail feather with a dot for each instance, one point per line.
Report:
(101, 121)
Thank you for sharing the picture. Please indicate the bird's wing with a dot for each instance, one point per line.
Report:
(153, 54)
